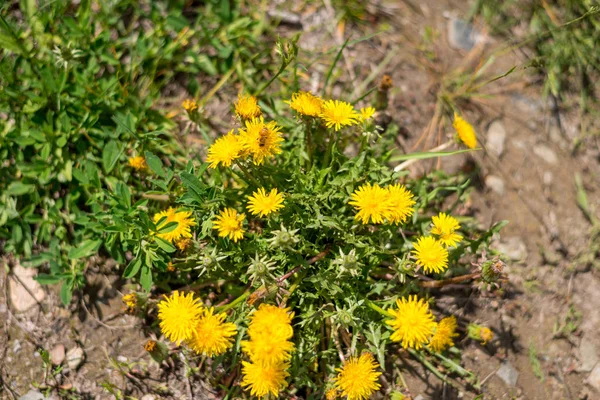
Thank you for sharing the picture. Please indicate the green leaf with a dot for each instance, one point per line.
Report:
(45, 279)
(19, 188)
(168, 227)
(428, 154)
(133, 268)
(193, 185)
(155, 164)
(166, 246)
(110, 155)
(124, 194)
(85, 249)
(146, 278)
(66, 291)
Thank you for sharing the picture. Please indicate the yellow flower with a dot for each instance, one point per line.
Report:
(264, 379)
(183, 244)
(229, 224)
(130, 300)
(246, 107)
(486, 334)
(271, 321)
(150, 346)
(372, 202)
(430, 254)
(268, 350)
(261, 139)
(480, 333)
(465, 131)
(224, 150)
(339, 113)
(357, 378)
(261, 203)
(212, 336)
(444, 226)
(366, 113)
(445, 331)
(331, 394)
(184, 222)
(400, 202)
(413, 323)
(306, 103)
(178, 316)
(138, 162)
(189, 105)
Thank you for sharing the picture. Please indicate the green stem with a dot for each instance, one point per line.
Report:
(247, 174)
(309, 144)
(234, 303)
(375, 307)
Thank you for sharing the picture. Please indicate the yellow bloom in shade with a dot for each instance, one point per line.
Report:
(183, 244)
(331, 394)
(261, 203)
(130, 300)
(430, 254)
(229, 224)
(445, 331)
(444, 227)
(357, 378)
(179, 315)
(413, 323)
(371, 202)
(261, 139)
(264, 379)
(212, 335)
(401, 203)
(306, 103)
(189, 105)
(246, 107)
(184, 223)
(138, 163)
(366, 113)
(465, 131)
(224, 150)
(337, 113)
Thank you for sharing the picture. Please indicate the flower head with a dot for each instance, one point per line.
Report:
(486, 334)
(306, 103)
(339, 113)
(357, 378)
(130, 300)
(445, 331)
(189, 105)
(264, 379)
(465, 131)
(271, 321)
(261, 139)
(268, 350)
(261, 203)
(179, 315)
(430, 254)
(246, 107)
(401, 203)
(183, 244)
(366, 113)
(331, 394)
(229, 224)
(444, 227)
(480, 333)
(413, 323)
(224, 150)
(184, 223)
(150, 346)
(212, 335)
(138, 163)
(371, 202)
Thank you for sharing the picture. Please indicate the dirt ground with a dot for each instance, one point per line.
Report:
(547, 343)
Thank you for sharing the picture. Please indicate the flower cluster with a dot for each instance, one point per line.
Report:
(431, 253)
(392, 204)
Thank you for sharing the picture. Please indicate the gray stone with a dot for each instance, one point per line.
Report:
(33, 395)
(545, 153)
(513, 248)
(495, 183)
(594, 378)
(75, 357)
(548, 178)
(496, 138)
(22, 286)
(462, 35)
(419, 397)
(16, 346)
(147, 397)
(57, 354)
(588, 355)
(508, 374)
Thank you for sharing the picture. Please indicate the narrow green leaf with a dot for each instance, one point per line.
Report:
(428, 154)
(168, 227)
(166, 246)
(146, 278)
(45, 279)
(132, 269)
(85, 249)
(66, 292)
(19, 188)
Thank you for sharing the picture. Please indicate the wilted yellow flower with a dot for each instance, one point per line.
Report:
(178, 315)
(400, 203)
(480, 332)
(413, 323)
(445, 226)
(150, 346)
(366, 113)
(372, 203)
(430, 254)
(445, 331)
(212, 335)
(486, 334)
(138, 163)
(246, 107)
(261, 139)
(337, 113)
(130, 300)
(229, 224)
(357, 378)
(465, 131)
(331, 394)
(184, 223)
(170, 267)
(306, 103)
(189, 105)
(261, 203)
(264, 379)
(224, 150)
(183, 244)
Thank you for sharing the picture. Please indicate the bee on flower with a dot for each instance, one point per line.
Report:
(261, 139)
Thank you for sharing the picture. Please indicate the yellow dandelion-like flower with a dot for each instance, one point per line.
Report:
(372, 203)
(212, 335)
(357, 378)
(465, 131)
(179, 315)
(445, 331)
(486, 334)
(401, 203)
(366, 113)
(261, 203)
(130, 300)
(261, 139)
(430, 254)
(229, 224)
(183, 244)
(264, 379)
(246, 107)
(339, 113)
(138, 163)
(268, 350)
(150, 346)
(224, 150)
(184, 223)
(445, 226)
(189, 105)
(270, 320)
(331, 394)
(413, 323)
(306, 103)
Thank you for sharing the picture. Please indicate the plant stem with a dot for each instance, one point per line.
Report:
(449, 281)
(247, 174)
(308, 142)
(234, 303)
(375, 307)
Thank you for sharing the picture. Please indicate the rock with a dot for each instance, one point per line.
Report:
(496, 138)
(57, 354)
(18, 285)
(462, 35)
(508, 374)
(33, 395)
(75, 357)
(588, 355)
(513, 248)
(495, 183)
(548, 178)
(594, 378)
(419, 397)
(16, 346)
(545, 153)
(147, 397)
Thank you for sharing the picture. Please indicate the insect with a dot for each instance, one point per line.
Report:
(262, 137)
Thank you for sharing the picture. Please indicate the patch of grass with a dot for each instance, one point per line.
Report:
(536, 366)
